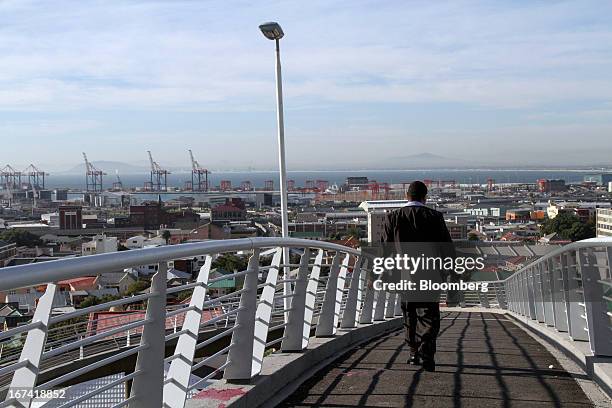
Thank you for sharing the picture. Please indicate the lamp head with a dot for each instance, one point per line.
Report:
(272, 31)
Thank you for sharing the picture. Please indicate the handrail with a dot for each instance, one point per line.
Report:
(323, 301)
(14, 277)
(586, 243)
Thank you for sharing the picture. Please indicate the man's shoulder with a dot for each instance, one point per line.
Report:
(421, 208)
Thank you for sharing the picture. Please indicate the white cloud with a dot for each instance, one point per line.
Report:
(86, 59)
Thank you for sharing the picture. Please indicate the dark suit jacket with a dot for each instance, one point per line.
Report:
(404, 229)
(415, 224)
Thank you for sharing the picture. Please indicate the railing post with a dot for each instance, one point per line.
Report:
(398, 305)
(379, 305)
(527, 296)
(177, 380)
(531, 291)
(576, 324)
(600, 335)
(484, 300)
(547, 296)
(148, 385)
(25, 378)
(294, 331)
(350, 308)
(502, 297)
(340, 290)
(390, 306)
(361, 292)
(264, 313)
(557, 294)
(539, 292)
(311, 298)
(240, 355)
(365, 314)
(325, 325)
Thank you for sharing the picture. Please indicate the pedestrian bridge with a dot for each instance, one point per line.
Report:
(312, 333)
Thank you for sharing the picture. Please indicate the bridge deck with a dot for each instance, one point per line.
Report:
(483, 360)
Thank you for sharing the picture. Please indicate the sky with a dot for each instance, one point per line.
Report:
(366, 83)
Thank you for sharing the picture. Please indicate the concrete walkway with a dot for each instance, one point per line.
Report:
(483, 360)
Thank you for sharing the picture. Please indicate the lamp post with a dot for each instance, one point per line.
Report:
(273, 31)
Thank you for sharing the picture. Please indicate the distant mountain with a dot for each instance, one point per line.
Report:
(109, 167)
(424, 160)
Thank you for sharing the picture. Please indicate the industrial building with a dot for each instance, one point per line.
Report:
(601, 179)
(551, 185)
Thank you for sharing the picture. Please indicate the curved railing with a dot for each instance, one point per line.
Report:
(321, 292)
(569, 289)
(279, 305)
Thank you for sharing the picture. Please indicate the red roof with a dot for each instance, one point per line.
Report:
(100, 322)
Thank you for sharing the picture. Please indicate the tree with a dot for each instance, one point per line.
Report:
(569, 226)
(166, 235)
(230, 263)
(93, 300)
(353, 232)
(20, 238)
(137, 286)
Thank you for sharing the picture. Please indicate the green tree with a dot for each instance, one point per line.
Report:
(20, 237)
(230, 263)
(93, 300)
(137, 286)
(569, 226)
(353, 232)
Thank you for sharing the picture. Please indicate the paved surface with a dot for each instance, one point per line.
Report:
(483, 360)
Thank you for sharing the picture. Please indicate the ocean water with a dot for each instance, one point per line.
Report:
(258, 178)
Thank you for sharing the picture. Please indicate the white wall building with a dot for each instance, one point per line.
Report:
(604, 222)
(100, 244)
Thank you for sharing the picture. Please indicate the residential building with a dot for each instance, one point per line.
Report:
(604, 222)
(100, 244)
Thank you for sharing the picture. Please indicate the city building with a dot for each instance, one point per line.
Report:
(52, 219)
(551, 185)
(100, 244)
(231, 210)
(457, 230)
(601, 179)
(604, 222)
(7, 252)
(357, 183)
(518, 214)
(70, 217)
(149, 215)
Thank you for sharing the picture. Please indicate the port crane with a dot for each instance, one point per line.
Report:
(159, 175)
(117, 185)
(36, 177)
(11, 178)
(93, 176)
(199, 175)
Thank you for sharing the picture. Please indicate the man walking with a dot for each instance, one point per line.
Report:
(416, 223)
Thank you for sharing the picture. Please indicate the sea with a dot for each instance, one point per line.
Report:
(258, 178)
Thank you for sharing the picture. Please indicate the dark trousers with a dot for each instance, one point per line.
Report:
(422, 324)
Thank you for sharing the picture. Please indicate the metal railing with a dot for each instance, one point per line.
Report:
(326, 290)
(569, 289)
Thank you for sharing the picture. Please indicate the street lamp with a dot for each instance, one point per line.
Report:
(273, 31)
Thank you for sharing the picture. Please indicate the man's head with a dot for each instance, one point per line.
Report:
(417, 191)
